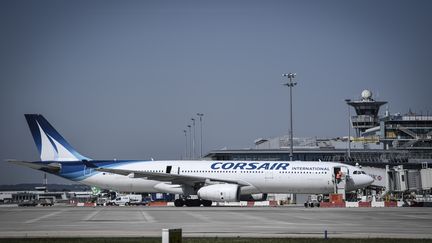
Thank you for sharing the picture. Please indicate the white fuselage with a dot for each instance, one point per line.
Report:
(259, 176)
(209, 180)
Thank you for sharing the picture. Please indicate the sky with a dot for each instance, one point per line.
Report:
(122, 79)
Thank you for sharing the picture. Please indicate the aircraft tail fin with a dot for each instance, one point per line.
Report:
(50, 144)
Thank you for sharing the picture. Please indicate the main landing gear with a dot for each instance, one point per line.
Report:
(192, 203)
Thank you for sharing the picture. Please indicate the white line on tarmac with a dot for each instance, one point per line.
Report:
(301, 217)
(199, 216)
(44, 216)
(90, 216)
(415, 216)
(257, 219)
(148, 217)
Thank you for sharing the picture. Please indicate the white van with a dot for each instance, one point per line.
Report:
(131, 199)
(121, 201)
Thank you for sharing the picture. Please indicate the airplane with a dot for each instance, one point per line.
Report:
(197, 182)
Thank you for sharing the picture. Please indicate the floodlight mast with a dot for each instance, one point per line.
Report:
(193, 142)
(349, 128)
(190, 138)
(290, 84)
(201, 133)
(186, 144)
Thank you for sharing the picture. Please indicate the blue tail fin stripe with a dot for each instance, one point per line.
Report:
(52, 142)
(33, 120)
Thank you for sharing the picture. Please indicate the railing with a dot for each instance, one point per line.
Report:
(416, 118)
(364, 118)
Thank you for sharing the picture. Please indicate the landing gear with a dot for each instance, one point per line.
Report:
(206, 203)
(179, 202)
(192, 203)
(311, 204)
(313, 201)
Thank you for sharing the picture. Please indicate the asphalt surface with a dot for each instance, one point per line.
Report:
(216, 221)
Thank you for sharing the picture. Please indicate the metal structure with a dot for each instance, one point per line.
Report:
(190, 138)
(200, 115)
(290, 84)
(372, 157)
(186, 144)
(410, 131)
(367, 112)
(349, 129)
(193, 141)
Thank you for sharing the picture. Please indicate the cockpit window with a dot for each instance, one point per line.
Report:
(358, 172)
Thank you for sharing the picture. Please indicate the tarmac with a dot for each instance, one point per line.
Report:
(216, 222)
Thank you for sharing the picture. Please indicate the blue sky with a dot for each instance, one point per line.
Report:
(121, 79)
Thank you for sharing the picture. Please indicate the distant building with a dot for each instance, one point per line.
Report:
(410, 132)
(389, 139)
(367, 110)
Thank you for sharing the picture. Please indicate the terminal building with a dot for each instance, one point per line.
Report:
(380, 140)
(395, 149)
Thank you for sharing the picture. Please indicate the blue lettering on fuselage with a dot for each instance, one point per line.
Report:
(227, 166)
(249, 166)
(239, 166)
(252, 166)
(264, 166)
(215, 166)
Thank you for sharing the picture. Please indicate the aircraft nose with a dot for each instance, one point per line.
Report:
(370, 179)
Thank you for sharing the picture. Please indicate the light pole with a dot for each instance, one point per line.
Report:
(349, 128)
(186, 142)
(190, 138)
(201, 141)
(193, 143)
(290, 84)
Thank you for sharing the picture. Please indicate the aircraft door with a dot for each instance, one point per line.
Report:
(268, 176)
(173, 169)
(345, 172)
(340, 175)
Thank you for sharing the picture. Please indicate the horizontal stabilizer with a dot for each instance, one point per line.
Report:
(51, 167)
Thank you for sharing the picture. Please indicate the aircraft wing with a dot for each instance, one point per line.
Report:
(173, 178)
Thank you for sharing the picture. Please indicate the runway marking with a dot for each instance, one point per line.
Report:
(337, 222)
(148, 217)
(44, 216)
(258, 219)
(301, 217)
(415, 216)
(199, 216)
(90, 216)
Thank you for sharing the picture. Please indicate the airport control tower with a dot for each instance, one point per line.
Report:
(367, 112)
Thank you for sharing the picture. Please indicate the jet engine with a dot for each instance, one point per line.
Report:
(220, 193)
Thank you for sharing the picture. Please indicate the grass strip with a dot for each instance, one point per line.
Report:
(211, 240)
